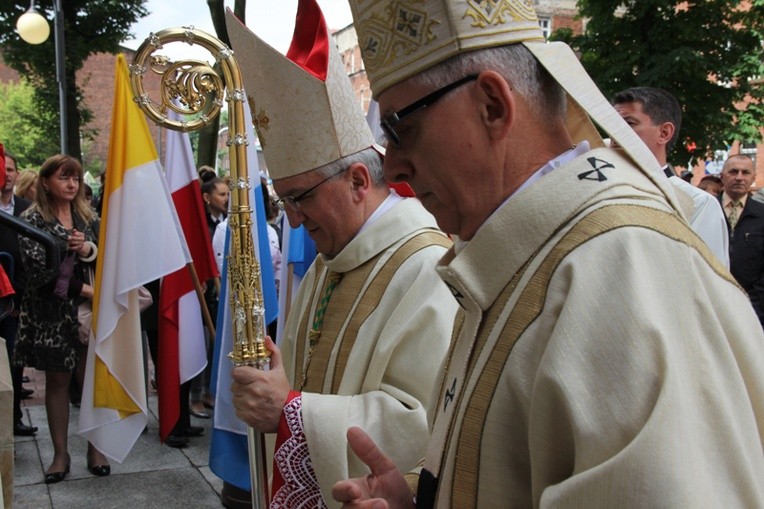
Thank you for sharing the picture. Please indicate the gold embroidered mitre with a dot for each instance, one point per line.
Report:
(304, 108)
(402, 38)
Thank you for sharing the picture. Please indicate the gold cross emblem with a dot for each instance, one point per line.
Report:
(260, 120)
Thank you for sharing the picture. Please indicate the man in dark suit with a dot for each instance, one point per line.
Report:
(9, 243)
(745, 218)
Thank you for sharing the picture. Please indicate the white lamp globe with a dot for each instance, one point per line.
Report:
(33, 27)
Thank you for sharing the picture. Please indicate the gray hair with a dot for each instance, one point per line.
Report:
(515, 64)
(736, 156)
(368, 157)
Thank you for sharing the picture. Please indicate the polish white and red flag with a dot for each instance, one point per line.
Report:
(182, 351)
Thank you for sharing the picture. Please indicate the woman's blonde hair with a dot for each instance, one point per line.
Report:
(69, 167)
(26, 180)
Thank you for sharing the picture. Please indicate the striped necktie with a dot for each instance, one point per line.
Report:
(734, 216)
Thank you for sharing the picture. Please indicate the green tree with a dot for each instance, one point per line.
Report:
(90, 26)
(702, 51)
(22, 124)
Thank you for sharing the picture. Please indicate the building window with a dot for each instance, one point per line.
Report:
(546, 26)
(749, 149)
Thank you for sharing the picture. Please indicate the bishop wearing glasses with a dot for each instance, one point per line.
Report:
(572, 380)
(371, 321)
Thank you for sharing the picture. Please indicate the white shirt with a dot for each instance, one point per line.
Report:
(218, 247)
(8, 208)
(707, 219)
(386, 205)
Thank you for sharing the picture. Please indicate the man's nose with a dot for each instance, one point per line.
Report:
(396, 167)
(295, 216)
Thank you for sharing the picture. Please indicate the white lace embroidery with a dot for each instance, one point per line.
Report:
(300, 489)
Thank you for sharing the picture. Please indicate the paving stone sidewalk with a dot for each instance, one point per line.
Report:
(152, 476)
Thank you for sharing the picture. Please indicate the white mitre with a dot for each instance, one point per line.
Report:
(401, 38)
(303, 106)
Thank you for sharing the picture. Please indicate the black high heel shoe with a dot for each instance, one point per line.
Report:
(54, 477)
(99, 470)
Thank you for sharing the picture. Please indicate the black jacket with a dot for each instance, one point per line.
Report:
(9, 243)
(747, 253)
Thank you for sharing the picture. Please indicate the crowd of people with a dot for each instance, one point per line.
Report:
(555, 321)
(43, 329)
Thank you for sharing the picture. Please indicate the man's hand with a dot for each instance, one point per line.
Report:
(259, 396)
(384, 487)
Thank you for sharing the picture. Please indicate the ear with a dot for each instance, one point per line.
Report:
(666, 132)
(497, 103)
(360, 181)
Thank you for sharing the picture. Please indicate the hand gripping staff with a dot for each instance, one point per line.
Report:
(192, 87)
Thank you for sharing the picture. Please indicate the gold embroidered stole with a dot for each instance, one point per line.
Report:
(468, 439)
(302, 338)
(348, 309)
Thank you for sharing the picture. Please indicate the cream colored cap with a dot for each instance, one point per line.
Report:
(303, 122)
(401, 38)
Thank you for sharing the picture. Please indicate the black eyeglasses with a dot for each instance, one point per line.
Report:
(390, 120)
(293, 202)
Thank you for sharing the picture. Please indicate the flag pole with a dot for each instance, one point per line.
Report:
(199, 89)
(202, 303)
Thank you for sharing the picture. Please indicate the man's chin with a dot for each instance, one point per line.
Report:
(445, 223)
(321, 246)
(429, 203)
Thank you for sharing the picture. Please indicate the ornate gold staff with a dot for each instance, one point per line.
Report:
(192, 83)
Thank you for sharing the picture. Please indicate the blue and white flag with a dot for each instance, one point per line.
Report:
(228, 449)
(299, 252)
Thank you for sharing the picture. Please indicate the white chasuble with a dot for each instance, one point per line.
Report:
(604, 357)
(384, 334)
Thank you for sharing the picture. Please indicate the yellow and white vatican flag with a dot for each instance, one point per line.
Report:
(140, 240)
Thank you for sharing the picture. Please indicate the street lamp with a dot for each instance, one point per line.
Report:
(33, 28)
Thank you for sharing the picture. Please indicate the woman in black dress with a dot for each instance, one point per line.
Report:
(48, 338)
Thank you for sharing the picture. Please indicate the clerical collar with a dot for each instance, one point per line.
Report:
(392, 199)
(564, 158)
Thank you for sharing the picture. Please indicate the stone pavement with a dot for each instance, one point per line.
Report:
(152, 476)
